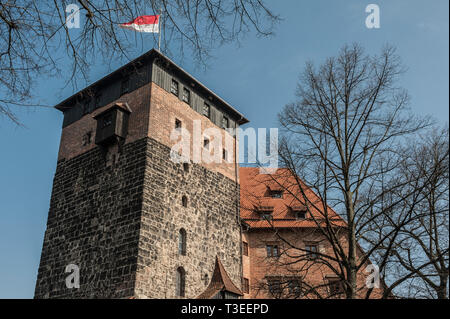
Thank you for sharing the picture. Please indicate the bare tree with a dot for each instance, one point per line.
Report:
(418, 265)
(34, 36)
(342, 138)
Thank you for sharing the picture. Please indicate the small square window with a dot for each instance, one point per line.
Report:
(177, 124)
(107, 120)
(206, 143)
(186, 95)
(225, 122)
(174, 87)
(311, 251)
(245, 248)
(87, 138)
(206, 110)
(272, 251)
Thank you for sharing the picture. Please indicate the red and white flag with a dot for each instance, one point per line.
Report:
(143, 24)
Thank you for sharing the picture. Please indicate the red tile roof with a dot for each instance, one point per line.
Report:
(255, 198)
(220, 281)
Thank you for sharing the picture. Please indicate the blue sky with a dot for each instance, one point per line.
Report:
(258, 78)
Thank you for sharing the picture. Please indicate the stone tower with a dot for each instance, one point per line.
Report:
(134, 222)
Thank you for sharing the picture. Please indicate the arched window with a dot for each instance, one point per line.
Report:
(182, 242)
(181, 282)
(184, 201)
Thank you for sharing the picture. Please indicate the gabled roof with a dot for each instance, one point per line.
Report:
(220, 281)
(254, 185)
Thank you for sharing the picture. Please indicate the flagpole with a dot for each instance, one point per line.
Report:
(159, 29)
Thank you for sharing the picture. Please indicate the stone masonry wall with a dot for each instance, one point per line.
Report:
(93, 222)
(209, 220)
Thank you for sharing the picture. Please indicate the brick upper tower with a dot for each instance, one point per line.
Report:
(134, 222)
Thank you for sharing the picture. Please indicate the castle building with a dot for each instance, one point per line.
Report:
(133, 222)
(129, 221)
(282, 240)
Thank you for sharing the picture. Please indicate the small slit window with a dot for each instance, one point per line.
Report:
(177, 124)
(182, 242)
(180, 282)
(206, 143)
(184, 201)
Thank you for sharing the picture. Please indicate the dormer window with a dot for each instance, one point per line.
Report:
(300, 214)
(266, 214)
(276, 193)
(299, 211)
(112, 124)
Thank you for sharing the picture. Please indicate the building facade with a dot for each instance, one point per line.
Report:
(133, 216)
(135, 223)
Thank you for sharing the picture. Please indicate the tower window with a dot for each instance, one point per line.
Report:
(186, 167)
(87, 138)
(98, 99)
(206, 143)
(184, 201)
(182, 242)
(186, 95)
(224, 155)
(177, 124)
(181, 282)
(272, 251)
(125, 85)
(206, 110)
(245, 286)
(225, 122)
(107, 120)
(174, 87)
